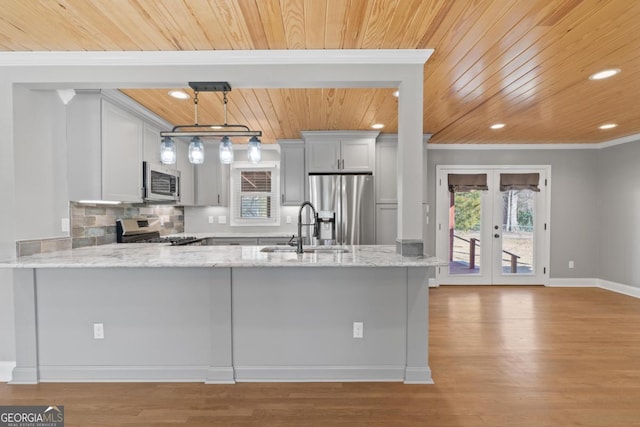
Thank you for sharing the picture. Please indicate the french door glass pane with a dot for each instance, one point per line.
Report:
(518, 213)
(464, 232)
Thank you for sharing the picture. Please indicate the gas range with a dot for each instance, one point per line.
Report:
(147, 230)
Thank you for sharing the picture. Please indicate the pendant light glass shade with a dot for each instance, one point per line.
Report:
(196, 151)
(167, 151)
(254, 152)
(226, 151)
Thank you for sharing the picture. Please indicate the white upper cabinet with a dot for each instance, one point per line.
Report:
(344, 151)
(151, 144)
(386, 171)
(291, 172)
(211, 179)
(187, 183)
(121, 154)
(106, 134)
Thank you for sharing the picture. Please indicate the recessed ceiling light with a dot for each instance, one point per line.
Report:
(608, 126)
(377, 126)
(396, 93)
(179, 94)
(497, 126)
(604, 74)
(216, 127)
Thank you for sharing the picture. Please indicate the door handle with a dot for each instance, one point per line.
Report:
(496, 235)
(496, 226)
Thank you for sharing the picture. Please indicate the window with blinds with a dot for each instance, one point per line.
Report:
(255, 190)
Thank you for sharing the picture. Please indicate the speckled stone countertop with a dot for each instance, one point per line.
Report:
(164, 255)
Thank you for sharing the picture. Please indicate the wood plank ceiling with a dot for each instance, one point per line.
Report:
(522, 63)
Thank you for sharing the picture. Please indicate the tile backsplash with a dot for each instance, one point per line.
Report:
(93, 225)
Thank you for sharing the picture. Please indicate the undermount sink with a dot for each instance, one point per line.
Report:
(270, 249)
(316, 250)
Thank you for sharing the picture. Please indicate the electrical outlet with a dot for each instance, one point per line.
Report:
(358, 329)
(64, 225)
(98, 331)
(571, 264)
(222, 219)
(210, 219)
(288, 219)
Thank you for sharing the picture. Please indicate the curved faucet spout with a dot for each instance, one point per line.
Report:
(300, 224)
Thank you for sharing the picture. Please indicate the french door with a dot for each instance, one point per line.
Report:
(492, 225)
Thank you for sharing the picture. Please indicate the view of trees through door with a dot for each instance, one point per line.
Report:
(493, 233)
(517, 232)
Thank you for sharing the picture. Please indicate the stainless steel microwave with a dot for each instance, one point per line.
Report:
(161, 184)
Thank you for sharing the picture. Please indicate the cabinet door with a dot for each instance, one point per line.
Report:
(151, 145)
(358, 155)
(211, 179)
(121, 155)
(386, 224)
(323, 156)
(386, 172)
(187, 187)
(292, 174)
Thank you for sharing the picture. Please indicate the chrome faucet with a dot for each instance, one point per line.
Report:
(300, 224)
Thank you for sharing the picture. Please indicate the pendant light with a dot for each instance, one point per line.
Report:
(168, 151)
(196, 151)
(254, 152)
(199, 132)
(226, 151)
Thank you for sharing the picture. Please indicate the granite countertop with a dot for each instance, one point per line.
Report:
(164, 255)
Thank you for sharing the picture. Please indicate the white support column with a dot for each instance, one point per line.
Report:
(7, 219)
(410, 165)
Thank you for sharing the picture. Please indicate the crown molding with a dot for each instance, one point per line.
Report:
(619, 141)
(216, 57)
(513, 146)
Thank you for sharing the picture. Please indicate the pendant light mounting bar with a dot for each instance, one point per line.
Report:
(210, 86)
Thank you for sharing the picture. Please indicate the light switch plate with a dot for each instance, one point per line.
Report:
(358, 329)
(222, 219)
(98, 331)
(288, 219)
(210, 219)
(64, 225)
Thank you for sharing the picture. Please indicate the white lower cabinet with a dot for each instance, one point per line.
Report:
(386, 224)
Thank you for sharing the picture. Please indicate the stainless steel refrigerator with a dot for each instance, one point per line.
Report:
(350, 196)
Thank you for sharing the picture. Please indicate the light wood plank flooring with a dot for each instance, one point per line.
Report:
(500, 356)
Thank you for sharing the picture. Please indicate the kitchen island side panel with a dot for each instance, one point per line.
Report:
(159, 324)
(296, 324)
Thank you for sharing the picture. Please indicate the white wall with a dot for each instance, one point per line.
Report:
(618, 232)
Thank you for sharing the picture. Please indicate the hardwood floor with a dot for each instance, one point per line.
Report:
(500, 356)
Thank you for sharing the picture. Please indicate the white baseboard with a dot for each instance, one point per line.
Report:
(574, 283)
(631, 291)
(319, 373)
(211, 375)
(5, 371)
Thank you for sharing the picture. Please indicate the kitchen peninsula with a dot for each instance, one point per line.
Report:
(221, 314)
